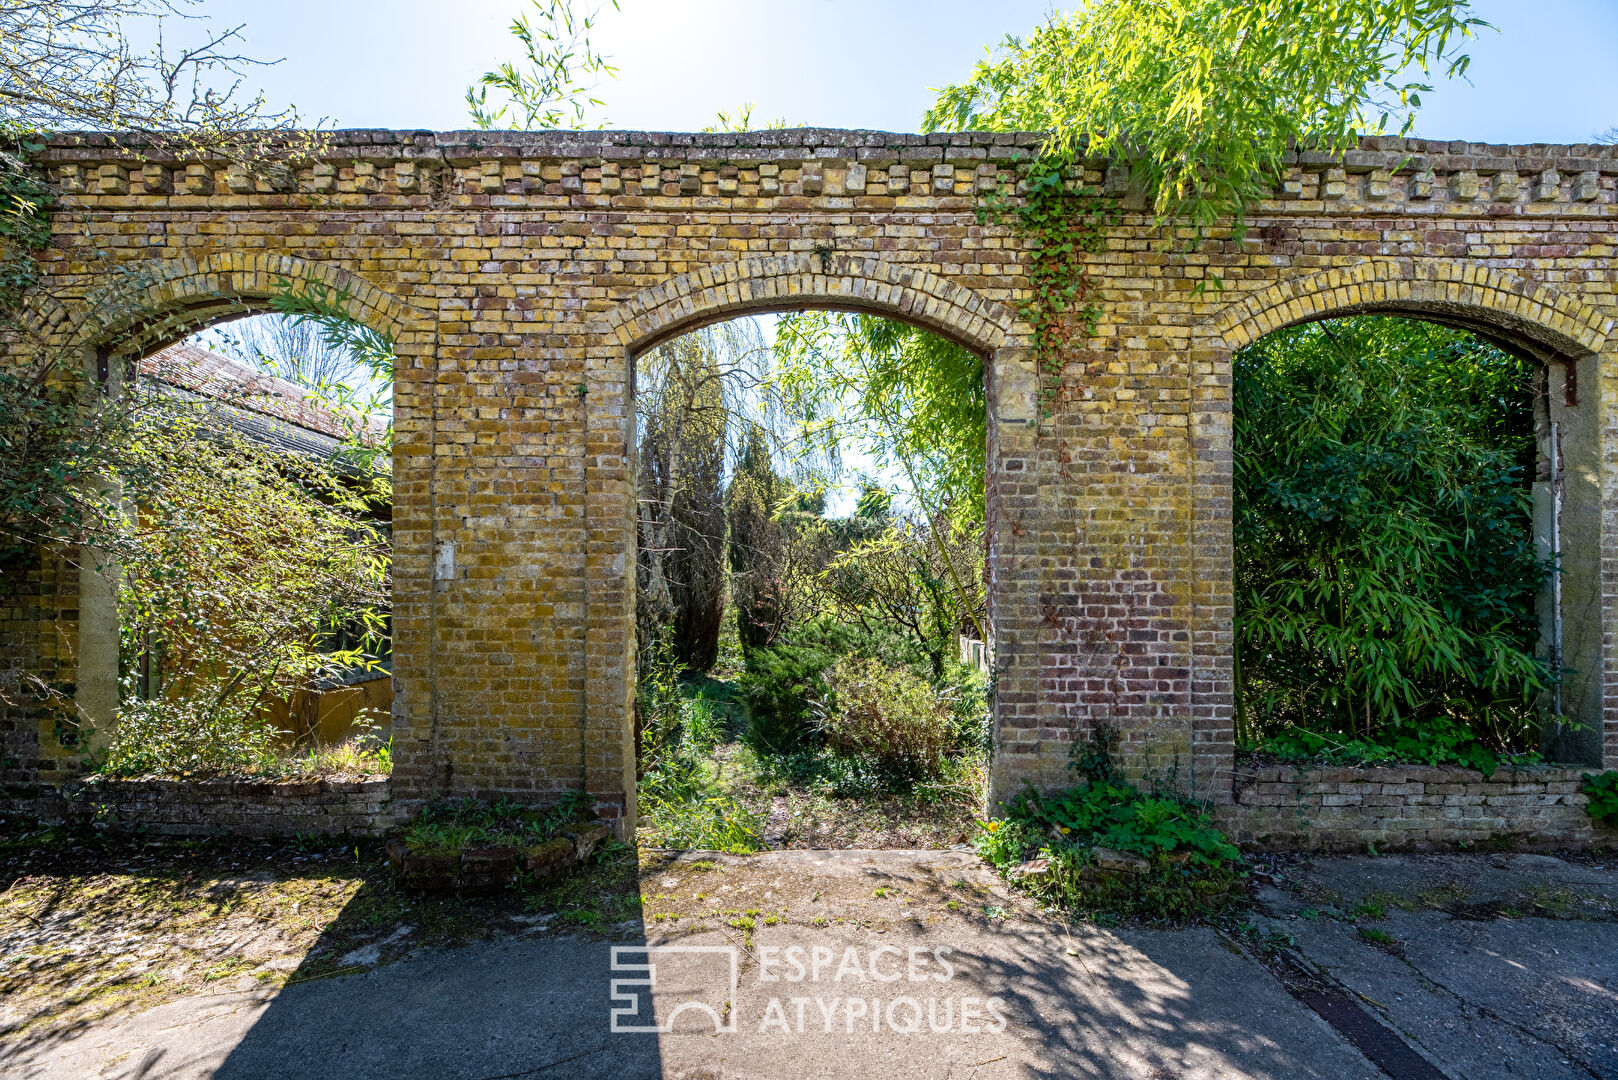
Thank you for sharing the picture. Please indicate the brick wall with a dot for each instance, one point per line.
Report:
(521, 273)
(1409, 808)
(359, 807)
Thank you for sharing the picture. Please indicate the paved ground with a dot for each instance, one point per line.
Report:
(920, 964)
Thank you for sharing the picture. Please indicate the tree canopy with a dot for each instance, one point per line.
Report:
(1205, 98)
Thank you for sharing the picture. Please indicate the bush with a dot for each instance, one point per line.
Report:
(1439, 741)
(1190, 868)
(886, 714)
(1385, 571)
(782, 681)
(175, 736)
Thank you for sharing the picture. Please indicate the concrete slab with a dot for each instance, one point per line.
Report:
(1478, 992)
(1006, 995)
(911, 964)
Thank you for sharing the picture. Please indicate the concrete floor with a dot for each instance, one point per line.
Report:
(1480, 988)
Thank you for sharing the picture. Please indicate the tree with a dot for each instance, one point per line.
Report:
(291, 347)
(244, 569)
(756, 548)
(900, 581)
(682, 514)
(1206, 99)
(68, 64)
(914, 399)
(562, 67)
(73, 65)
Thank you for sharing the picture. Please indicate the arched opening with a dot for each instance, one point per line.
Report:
(813, 634)
(237, 618)
(1416, 527)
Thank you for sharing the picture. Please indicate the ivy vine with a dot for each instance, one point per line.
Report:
(1065, 220)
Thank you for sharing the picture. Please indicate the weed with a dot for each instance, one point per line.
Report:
(1602, 791)
(450, 826)
(1370, 909)
(1375, 936)
(1188, 867)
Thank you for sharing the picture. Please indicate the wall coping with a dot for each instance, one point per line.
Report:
(811, 143)
(270, 786)
(1250, 773)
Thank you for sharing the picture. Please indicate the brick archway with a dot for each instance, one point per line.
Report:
(154, 304)
(792, 282)
(1565, 335)
(1481, 296)
(522, 271)
(806, 280)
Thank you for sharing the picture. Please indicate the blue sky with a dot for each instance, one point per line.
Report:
(1549, 75)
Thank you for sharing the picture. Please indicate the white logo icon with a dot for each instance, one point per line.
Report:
(706, 976)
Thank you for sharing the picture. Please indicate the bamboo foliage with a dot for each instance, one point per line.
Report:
(1385, 572)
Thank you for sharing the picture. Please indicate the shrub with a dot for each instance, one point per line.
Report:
(1385, 571)
(175, 736)
(886, 714)
(1190, 868)
(1602, 788)
(782, 681)
(1439, 741)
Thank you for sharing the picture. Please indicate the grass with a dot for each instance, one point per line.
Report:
(363, 755)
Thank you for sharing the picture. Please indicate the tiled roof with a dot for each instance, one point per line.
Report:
(220, 378)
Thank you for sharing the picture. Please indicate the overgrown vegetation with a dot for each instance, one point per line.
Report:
(232, 591)
(1602, 790)
(1204, 100)
(1105, 848)
(450, 826)
(1385, 571)
(677, 792)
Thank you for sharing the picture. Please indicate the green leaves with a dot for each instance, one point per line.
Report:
(562, 67)
(1385, 574)
(1207, 98)
(1602, 790)
(914, 400)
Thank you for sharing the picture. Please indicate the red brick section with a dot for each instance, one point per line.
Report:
(522, 272)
